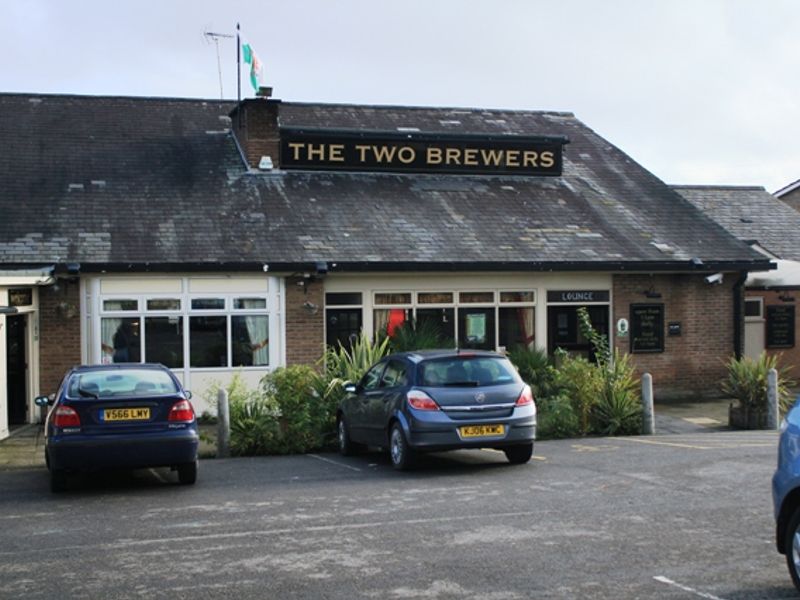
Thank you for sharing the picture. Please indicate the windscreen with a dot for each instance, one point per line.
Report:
(467, 371)
(121, 382)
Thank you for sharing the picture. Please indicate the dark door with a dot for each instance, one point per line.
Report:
(564, 332)
(342, 326)
(17, 369)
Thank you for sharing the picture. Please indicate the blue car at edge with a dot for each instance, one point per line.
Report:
(786, 492)
(431, 400)
(120, 416)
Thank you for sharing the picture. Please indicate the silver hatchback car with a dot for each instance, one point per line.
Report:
(433, 400)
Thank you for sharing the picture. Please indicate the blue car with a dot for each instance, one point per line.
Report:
(786, 492)
(120, 416)
(423, 401)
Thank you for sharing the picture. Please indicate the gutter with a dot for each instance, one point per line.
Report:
(423, 267)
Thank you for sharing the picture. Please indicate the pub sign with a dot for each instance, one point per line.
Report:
(421, 153)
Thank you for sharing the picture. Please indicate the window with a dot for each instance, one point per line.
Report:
(394, 375)
(371, 380)
(164, 341)
(220, 331)
(470, 319)
(114, 305)
(250, 336)
(753, 308)
(208, 341)
(120, 340)
(163, 304)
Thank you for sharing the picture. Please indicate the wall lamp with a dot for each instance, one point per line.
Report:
(651, 293)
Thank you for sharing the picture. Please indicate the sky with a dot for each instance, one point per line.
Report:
(696, 91)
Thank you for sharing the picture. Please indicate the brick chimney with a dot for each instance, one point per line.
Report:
(255, 124)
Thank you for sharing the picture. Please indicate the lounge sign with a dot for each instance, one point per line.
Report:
(421, 153)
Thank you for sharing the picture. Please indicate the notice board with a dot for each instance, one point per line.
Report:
(647, 328)
(780, 326)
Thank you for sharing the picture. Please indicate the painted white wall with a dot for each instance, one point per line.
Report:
(200, 382)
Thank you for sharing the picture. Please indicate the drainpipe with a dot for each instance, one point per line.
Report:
(738, 302)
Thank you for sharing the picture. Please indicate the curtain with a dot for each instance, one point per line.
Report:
(108, 327)
(526, 323)
(258, 330)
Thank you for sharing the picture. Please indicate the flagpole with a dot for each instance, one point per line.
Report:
(238, 78)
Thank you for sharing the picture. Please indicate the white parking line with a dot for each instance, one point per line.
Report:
(333, 462)
(685, 588)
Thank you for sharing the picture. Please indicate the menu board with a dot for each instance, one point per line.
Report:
(647, 328)
(780, 326)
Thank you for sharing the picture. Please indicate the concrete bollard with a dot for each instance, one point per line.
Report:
(773, 413)
(223, 424)
(648, 416)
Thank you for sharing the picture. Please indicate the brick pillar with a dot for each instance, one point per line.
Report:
(59, 332)
(305, 331)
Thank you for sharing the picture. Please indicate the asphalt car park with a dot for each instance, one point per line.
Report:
(676, 516)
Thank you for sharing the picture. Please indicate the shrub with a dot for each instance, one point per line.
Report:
(581, 383)
(254, 427)
(305, 419)
(619, 410)
(419, 335)
(350, 364)
(746, 381)
(535, 369)
(556, 418)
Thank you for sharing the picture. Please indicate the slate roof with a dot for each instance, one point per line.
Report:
(751, 214)
(159, 183)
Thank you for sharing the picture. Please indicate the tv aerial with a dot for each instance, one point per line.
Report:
(214, 37)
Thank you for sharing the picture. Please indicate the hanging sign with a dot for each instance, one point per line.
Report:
(420, 153)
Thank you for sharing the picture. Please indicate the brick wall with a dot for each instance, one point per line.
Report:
(258, 134)
(305, 342)
(59, 333)
(692, 364)
(788, 357)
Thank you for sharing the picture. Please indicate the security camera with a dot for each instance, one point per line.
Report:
(715, 278)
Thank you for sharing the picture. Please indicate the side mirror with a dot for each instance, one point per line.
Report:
(188, 394)
(43, 401)
(350, 388)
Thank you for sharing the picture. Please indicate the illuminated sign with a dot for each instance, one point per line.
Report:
(421, 153)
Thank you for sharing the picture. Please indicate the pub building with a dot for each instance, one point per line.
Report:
(218, 238)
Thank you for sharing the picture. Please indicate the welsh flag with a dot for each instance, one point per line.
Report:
(256, 66)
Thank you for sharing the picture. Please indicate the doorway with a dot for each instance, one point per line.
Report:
(563, 330)
(17, 369)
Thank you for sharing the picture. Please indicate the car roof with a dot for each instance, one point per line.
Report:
(417, 356)
(118, 366)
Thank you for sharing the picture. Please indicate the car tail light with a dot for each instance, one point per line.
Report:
(526, 397)
(421, 401)
(65, 416)
(181, 411)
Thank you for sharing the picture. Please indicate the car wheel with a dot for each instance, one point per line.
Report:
(401, 454)
(519, 455)
(58, 480)
(347, 447)
(792, 545)
(187, 473)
